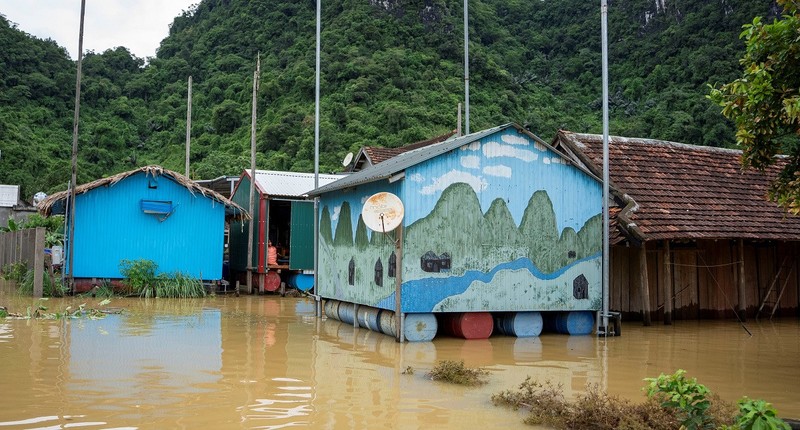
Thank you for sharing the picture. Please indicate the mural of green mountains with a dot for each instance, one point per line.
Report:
(474, 241)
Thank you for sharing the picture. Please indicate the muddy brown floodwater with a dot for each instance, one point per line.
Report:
(266, 362)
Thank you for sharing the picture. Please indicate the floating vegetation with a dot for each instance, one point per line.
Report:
(673, 402)
(409, 371)
(455, 372)
(40, 311)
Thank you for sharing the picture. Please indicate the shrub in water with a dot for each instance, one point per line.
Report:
(758, 415)
(686, 395)
(140, 276)
(455, 372)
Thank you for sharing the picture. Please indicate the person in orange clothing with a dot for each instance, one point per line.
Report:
(272, 254)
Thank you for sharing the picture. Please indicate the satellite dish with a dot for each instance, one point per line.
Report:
(38, 197)
(347, 159)
(382, 212)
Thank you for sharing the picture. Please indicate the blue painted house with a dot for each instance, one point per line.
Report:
(149, 213)
(495, 222)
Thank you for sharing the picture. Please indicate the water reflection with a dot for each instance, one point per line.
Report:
(267, 362)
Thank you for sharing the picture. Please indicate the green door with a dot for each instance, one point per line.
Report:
(301, 242)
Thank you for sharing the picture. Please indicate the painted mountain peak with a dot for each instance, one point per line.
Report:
(476, 241)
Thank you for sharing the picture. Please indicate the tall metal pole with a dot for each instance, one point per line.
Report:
(250, 266)
(604, 31)
(316, 164)
(74, 178)
(466, 69)
(188, 124)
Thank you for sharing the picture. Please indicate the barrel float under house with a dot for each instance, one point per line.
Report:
(283, 215)
(149, 213)
(497, 225)
(695, 235)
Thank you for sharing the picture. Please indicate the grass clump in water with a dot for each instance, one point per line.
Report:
(141, 279)
(455, 372)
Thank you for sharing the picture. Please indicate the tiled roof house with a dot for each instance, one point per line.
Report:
(709, 236)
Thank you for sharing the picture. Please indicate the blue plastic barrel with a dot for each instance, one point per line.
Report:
(420, 327)
(520, 324)
(303, 282)
(573, 322)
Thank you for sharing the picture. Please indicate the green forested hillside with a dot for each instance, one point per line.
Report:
(392, 74)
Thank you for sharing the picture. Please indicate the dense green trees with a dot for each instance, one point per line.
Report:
(765, 101)
(392, 74)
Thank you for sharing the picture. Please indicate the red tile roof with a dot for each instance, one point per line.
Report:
(376, 154)
(686, 191)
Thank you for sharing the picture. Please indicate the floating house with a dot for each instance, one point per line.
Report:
(149, 213)
(695, 236)
(497, 228)
(282, 215)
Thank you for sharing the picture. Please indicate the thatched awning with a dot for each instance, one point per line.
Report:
(56, 203)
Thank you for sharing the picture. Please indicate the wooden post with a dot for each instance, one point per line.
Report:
(643, 283)
(668, 287)
(742, 293)
(253, 116)
(38, 263)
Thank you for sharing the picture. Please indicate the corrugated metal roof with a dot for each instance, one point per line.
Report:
(9, 195)
(289, 184)
(405, 160)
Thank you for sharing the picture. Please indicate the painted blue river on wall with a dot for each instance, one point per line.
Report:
(427, 293)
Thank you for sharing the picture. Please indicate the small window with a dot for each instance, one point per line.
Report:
(156, 207)
(162, 209)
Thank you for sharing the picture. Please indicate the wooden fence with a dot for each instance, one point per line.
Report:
(25, 246)
(703, 278)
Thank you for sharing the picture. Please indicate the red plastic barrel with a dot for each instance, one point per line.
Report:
(272, 281)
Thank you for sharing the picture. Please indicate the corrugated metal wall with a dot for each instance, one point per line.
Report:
(301, 256)
(503, 224)
(237, 246)
(349, 252)
(110, 227)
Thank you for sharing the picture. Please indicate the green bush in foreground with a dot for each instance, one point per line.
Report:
(673, 402)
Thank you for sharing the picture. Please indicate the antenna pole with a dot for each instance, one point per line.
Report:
(74, 178)
(458, 125)
(604, 31)
(316, 163)
(466, 68)
(188, 124)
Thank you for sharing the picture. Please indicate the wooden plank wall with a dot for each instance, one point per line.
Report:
(705, 278)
